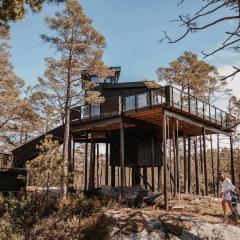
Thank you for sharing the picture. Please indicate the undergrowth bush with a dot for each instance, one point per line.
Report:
(32, 216)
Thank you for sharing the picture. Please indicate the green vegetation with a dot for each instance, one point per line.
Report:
(32, 217)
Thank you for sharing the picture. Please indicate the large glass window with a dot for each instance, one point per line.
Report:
(157, 97)
(95, 110)
(85, 112)
(143, 100)
(95, 79)
(176, 98)
(129, 103)
(193, 107)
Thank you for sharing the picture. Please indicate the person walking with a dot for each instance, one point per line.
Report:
(226, 193)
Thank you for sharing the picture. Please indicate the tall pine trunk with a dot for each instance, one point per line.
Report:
(67, 129)
(65, 151)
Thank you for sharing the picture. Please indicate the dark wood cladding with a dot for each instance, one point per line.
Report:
(109, 90)
(138, 149)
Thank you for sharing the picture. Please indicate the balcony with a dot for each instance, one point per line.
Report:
(166, 97)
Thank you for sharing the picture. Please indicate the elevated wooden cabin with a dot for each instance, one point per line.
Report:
(136, 123)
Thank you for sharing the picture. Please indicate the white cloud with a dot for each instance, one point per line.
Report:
(224, 61)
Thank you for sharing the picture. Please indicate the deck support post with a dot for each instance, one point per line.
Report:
(177, 158)
(113, 176)
(122, 153)
(232, 160)
(201, 164)
(189, 164)
(164, 147)
(196, 168)
(97, 159)
(92, 166)
(136, 175)
(174, 164)
(73, 155)
(185, 163)
(153, 161)
(106, 162)
(86, 162)
(145, 177)
(70, 154)
(213, 172)
(218, 163)
(205, 161)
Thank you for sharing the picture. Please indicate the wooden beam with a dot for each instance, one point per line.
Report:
(73, 156)
(213, 172)
(153, 162)
(86, 163)
(232, 160)
(164, 137)
(106, 163)
(97, 122)
(145, 182)
(139, 123)
(196, 168)
(177, 157)
(122, 153)
(218, 163)
(113, 176)
(205, 162)
(196, 123)
(97, 159)
(175, 170)
(90, 183)
(185, 164)
(189, 164)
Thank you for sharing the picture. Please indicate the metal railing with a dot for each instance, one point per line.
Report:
(144, 100)
(194, 106)
(110, 107)
(168, 96)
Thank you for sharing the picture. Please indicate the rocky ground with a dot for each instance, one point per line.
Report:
(197, 218)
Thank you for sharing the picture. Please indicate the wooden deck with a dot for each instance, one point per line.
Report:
(148, 107)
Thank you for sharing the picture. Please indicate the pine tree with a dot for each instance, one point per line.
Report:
(189, 72)
(79, 47)
(15, 10)
(46, 170)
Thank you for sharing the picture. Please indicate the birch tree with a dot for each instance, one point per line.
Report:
(79, 47)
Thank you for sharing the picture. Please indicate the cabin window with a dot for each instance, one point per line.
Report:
(95, 110)
(129, 103)
(95, 79)
(108, 80)
(143, 100)
(176, 98)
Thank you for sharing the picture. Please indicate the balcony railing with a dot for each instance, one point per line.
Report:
(194, 106)
(168, 96)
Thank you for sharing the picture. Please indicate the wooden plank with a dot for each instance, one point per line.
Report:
(164, 137)
(86, 163)
(232, 160)
(196, 168)
(122, 153)
(185, 163)
(189, 164)
(153, 161)
(106, 162)
(213, 172)
(196, 123)
(205, 162)
(218, 163)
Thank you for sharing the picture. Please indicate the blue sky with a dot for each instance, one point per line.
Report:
(132, 29)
